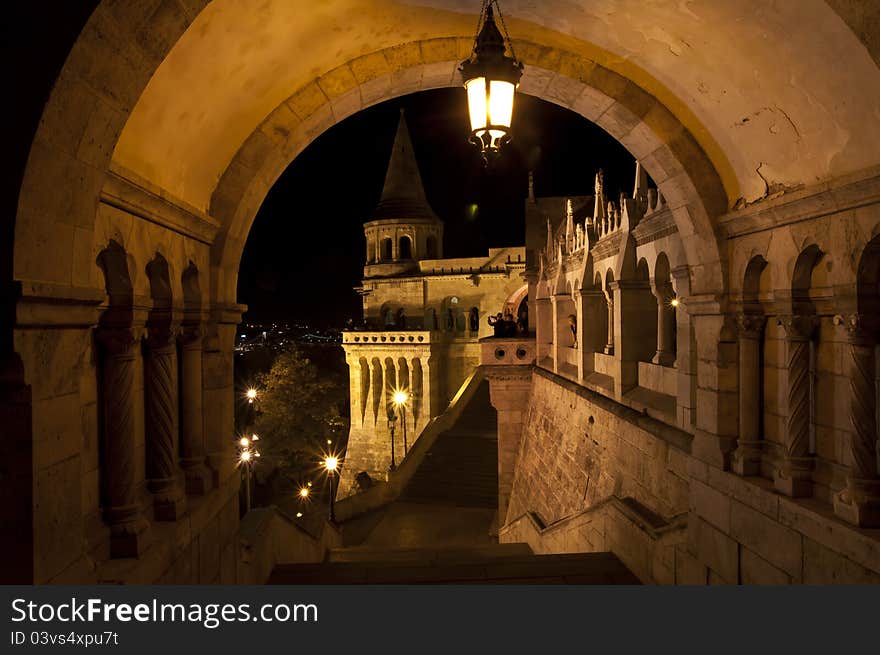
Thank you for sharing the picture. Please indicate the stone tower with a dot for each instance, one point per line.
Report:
(423, 316)
(404, 229)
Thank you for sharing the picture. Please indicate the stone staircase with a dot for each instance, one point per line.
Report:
(461, 468)
(493, 564)
(440, 530)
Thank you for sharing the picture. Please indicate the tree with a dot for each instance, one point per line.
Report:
(299, 410)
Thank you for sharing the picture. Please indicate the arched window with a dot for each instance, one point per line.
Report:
(404, 248)
(387, 250)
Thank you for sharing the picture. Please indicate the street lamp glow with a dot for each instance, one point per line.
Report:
(299, 515)
(244, 442)
(304, 492)
(331, 464)
(400, 397)
(674, 302)
(251, 394)
(245, 456)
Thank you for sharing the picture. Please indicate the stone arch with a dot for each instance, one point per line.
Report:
(754, 282)
(386, 249)
(405, 248)
(417, 388)
(802, 276)
(113, 261)
(160, 283)
(378, 388)
(364, 375)
(652, 133)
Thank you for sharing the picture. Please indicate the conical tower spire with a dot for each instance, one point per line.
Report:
(403, 195)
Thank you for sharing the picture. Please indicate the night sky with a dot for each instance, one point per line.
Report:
(306, 249)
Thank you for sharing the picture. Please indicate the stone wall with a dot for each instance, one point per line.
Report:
(621, 484)
(579, 448)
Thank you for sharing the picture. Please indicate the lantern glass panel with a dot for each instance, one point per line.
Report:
(500, 102)
(476, 92)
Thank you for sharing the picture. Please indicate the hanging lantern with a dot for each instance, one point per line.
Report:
(490, 78)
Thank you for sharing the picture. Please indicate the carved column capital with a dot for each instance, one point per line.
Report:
(119, 341)
(798, 327)
(860, 329)
(750, 326)
(162, 335)
(191, 335)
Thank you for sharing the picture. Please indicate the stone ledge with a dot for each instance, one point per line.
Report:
(831, 197)
(673, 436)
(133, 197)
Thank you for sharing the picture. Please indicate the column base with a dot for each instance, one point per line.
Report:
(794, 477)
(746, 459)
(128, 538)
(198, 478)
(169, 501)
(663, 358)
(609, 350)
(859, 503)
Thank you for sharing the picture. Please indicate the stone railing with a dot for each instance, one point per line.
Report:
(268, 536)
(641, 540)
(396, 337)
(507, 351)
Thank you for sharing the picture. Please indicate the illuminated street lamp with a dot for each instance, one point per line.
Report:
(331, 464)
(490, 79)
(392, 421)
(251, 395)
(400, 398)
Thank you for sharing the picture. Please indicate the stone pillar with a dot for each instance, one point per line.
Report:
(746, 460)
(161, 423)
(685, 351)
(665, 355)
(554, 344)
(543, 319)
(859, 502)
(591, 334)
(794, 476)
(122, 510)
(192, 438)
(509, 388)
(218, 395)
(609, 343)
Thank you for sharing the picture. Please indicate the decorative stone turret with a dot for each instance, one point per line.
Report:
(404, 229)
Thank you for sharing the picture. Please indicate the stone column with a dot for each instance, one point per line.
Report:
(554, 345)
(161, 423)
(509, 388)
(746, 459)
(609, 343)
(122, 510)
(192, 438)
(859, 502)
(794, 476)
(665, 355)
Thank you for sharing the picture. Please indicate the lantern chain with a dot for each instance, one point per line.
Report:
(504, 27)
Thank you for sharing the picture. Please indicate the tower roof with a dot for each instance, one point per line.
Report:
(403, 195)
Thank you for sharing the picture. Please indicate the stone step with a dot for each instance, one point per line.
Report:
(391, 555)
(583, 568)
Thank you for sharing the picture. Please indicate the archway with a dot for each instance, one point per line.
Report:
(125, 150)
